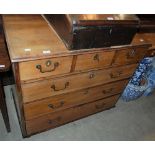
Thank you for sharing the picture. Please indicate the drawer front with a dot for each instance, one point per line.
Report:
(94, 60)
(52, 87)
(68, 115)
(59, 102)
(43, 68)
(129, 56)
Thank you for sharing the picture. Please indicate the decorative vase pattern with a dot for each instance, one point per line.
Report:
(134, 89)
(133, 92)
(151, 83)
(141, 71)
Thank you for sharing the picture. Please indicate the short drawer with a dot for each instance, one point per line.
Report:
(47, 88)
(94, 60)
(58, 118)
(59, 102)
(129, 56)
(43, 68)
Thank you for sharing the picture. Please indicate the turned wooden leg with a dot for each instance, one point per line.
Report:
(3, 107)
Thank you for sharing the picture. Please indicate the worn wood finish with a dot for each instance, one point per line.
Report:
(64, 101)
(42, 38)
(101, 19)
(147, 23)
(47, 88)
(44, 68)
(78, 87)
(29, 36)
(68, 115)
(129, 56)
(150, 38)
(94, 60)
(84, 31)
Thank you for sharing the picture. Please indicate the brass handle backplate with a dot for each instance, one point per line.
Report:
(100, 106)
(52, 106)
(116, 75)
(131, 54)
(91, 75)
(107, 91)
(55, 89)
(96, 57)
(54, 121)
(48, 64)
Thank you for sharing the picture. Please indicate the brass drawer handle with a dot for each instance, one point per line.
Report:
(54, 121)
(116, 75)
(96, 57)
(100, 106)
(131, 54)
(55, 89)
(56, 107)
(107, 91)
(48, 64)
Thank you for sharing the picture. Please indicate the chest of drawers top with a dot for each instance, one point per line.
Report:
(29, 37)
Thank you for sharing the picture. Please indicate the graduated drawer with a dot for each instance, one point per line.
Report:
(94, 60)
(47, 88)
(59, 102)
(46, 67)
(58, 118)
(129, 55)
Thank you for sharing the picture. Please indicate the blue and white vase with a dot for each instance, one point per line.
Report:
(151, 83)
(133, 92)
(141, 71)
(134, 89)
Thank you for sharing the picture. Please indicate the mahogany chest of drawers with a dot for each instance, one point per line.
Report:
(55, 86)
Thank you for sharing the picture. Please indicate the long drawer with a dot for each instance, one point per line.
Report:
(129, 55)
(51, 87)
(59, 102)
(43, 68)
(68, 115)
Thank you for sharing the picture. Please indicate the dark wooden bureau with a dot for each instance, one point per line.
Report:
(55, 86)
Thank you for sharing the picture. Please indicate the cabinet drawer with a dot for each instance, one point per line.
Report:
(59, 102)
(43, 68)
(68, 115)
(129, 56)
(94, 60)
(51, 87)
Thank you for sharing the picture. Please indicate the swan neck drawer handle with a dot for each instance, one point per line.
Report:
(55, 89)
(116, 75)
(48, 64)
(107, 91)
(54, 121)
(52, 106)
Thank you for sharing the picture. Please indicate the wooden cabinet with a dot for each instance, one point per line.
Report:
(60, 86)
